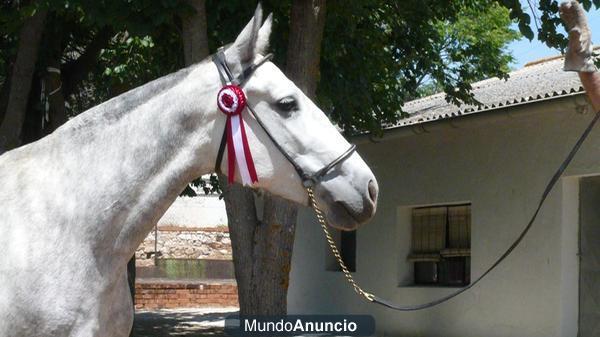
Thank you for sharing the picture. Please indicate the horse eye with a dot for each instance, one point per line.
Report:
(287, 104)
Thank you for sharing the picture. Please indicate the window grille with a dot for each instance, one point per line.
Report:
(441, 245)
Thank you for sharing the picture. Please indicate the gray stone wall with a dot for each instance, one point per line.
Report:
(185, 243)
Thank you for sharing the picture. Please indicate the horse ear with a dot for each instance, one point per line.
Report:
(262, 43)
(244, 46)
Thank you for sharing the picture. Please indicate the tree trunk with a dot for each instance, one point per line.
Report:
(195, 39)
(57, 114)
(20, 80)
(5, 91)
(46, 110)
(304, 47)
(262, 250)
(56, 99)
(273, 255)
(242, 220)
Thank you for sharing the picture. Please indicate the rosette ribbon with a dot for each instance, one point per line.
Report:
(232, 101)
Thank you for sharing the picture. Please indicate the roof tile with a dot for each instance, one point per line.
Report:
(532, 83)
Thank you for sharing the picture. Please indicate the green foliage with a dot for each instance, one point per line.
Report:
(13, 13)
(546, 20)
(550, 21)
(473, 48)
(429, 88)
(137, 17)
(146, 42)
(7, 49)
(225, 20)
(127, 62)
(11, 17)
(377, 54)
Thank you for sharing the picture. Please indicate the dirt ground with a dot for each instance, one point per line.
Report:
(181, 322)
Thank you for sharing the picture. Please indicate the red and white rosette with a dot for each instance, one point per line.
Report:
(232, 101)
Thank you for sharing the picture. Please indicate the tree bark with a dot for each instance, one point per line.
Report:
(20, 80)
(195, 39)
(307, 21)
(262, 249)
(56, 99)
(57, 114)
(46, 112)
(273, 255)
(242, 220)
(4, 92)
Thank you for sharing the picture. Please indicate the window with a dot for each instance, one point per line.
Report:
(348, 249)
(346, 243)
(441, 245)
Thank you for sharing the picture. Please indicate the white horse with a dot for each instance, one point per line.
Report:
(76, 204)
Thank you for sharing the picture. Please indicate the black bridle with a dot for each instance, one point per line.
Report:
(309, 179)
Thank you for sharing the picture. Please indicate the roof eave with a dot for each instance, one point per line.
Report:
(479, 116)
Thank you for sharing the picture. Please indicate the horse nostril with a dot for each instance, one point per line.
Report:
(372, 187)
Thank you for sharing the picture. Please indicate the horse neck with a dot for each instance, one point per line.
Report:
(136, 153)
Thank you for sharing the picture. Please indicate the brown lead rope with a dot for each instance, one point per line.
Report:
(372, 298)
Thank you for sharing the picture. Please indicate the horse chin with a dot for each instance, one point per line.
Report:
(345, 207)
(339, 217)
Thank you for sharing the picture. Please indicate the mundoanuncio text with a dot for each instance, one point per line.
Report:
(253, 325)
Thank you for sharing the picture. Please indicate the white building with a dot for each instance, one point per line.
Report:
(494, 161)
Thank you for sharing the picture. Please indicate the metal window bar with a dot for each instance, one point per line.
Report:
(440, 231)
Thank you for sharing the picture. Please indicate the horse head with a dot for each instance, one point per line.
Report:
(295, 127)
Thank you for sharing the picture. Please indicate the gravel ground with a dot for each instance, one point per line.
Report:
(181, 322)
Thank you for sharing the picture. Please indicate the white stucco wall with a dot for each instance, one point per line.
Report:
(500, 163)
(202, 211)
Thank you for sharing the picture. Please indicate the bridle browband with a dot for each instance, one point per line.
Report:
(308, 179)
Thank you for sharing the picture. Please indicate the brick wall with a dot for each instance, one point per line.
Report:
(182, 294)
